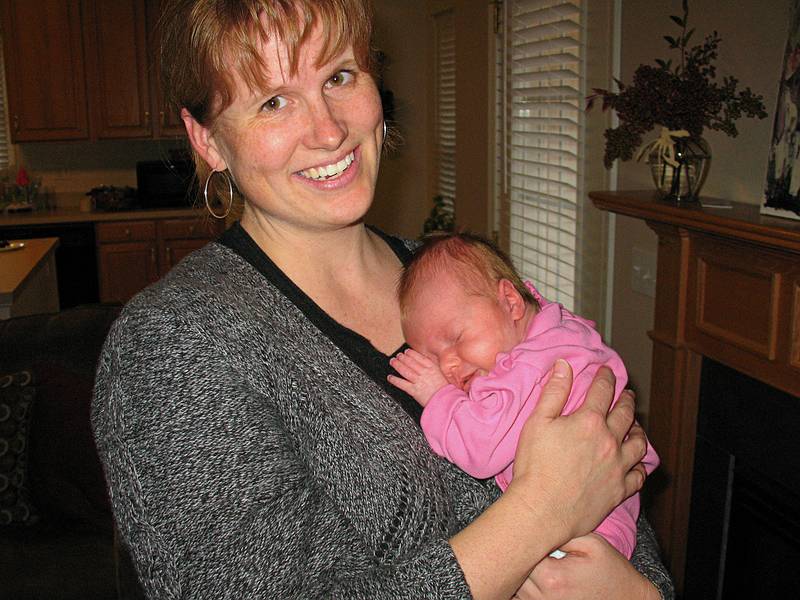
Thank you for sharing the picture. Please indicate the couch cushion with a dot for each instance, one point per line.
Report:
(66, 480)
(17, 395)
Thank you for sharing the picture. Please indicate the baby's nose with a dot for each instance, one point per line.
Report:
(451, 368)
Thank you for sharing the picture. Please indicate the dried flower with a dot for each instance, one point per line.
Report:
(686, 96)
(22, 177)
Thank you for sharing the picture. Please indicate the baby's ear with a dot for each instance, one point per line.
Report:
(510, 299)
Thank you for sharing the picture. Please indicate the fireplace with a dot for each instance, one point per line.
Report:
(725, 396)
(744, 526)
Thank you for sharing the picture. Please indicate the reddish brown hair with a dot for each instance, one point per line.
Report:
(477, 264)
(204, 43)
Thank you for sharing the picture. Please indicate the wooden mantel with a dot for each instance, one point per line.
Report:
(728, 288)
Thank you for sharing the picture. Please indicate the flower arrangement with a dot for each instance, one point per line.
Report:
(683, 98)
(21, 193)
(441, 217)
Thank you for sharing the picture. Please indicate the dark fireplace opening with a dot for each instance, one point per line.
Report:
(744, 526)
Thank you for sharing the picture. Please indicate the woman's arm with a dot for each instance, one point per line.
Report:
(216, 498)
(542, 509)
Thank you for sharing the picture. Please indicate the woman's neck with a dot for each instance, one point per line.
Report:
(302, 253)
(350, 273)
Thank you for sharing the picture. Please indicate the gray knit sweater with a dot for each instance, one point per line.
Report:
(248, 456)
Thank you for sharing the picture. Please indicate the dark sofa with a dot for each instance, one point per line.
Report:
(56, 530)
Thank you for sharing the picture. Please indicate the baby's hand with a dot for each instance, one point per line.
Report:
(420, 377)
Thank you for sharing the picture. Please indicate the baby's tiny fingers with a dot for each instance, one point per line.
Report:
(401, 383)
(402, 365)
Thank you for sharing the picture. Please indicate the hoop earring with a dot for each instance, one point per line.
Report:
(385, 131)
(230, 192)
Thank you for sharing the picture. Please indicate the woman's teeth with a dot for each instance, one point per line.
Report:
(329, 171)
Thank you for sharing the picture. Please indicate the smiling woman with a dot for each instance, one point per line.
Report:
(252, 443)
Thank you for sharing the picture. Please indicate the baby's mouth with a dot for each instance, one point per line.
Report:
(331, 171)
(467, 381)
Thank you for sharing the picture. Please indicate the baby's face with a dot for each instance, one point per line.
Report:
(462, 332)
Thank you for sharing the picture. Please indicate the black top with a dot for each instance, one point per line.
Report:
(357, 348)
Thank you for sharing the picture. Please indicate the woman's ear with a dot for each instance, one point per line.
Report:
(203, 142)
(510, 299)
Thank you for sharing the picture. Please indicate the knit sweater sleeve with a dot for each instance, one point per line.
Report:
(215, 504)
(646, 559)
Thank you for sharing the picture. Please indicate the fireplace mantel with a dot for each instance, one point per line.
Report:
(727, 288)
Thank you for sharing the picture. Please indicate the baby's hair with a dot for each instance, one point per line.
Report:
(477, 263)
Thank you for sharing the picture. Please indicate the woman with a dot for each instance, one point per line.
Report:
(252, 444)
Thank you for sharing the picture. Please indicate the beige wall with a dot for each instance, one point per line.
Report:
(67, 167)
(402, 199)
(753, 35)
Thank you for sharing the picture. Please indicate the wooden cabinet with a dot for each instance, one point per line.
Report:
(166, 122)
(127, 258)
(84, 69)
(45, 70)
(133, 254)
(116, 57)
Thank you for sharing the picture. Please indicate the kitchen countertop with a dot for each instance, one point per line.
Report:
(16, 266)
(75, 215)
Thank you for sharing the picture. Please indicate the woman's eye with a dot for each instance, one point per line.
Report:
(340, 78)
(273, 104)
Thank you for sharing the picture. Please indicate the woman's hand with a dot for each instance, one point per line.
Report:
(592, 568)
(579, 462)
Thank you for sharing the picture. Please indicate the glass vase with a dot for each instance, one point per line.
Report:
(681, 183)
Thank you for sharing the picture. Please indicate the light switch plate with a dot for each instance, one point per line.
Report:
(643, 272)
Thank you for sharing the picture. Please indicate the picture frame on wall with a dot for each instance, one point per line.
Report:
(782, 194)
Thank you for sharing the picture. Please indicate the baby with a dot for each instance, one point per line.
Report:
(482, 342)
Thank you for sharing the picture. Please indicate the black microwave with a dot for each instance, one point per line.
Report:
(166, 183)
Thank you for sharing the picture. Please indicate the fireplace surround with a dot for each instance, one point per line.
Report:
(727, 307)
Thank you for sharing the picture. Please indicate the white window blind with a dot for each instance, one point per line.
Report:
(5, 145)
(446, 107)
(540, 151)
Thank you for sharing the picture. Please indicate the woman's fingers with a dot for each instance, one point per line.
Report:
(601, 393)
(622, 414)
(555, 392)
(634, 448)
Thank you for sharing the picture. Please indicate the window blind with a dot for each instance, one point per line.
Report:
(4, 137)
(445, 109)
(541, 153)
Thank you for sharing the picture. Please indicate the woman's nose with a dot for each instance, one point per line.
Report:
(328, 128)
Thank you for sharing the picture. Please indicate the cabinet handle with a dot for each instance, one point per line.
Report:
(147, 118)
(191, 229)
(153, 256)
(162, 118)
(16, 123)
(127, 232)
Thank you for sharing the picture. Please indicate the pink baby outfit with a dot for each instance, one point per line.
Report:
(478, 430)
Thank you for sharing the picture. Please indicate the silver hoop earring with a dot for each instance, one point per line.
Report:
(230, 193)
(385, 131)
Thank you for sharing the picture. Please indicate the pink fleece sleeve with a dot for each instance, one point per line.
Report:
(479, 431)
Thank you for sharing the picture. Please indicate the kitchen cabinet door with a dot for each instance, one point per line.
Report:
(44, 60)
(117, 55)
(180, 237)
(127, 258)
(125, 269)
(166, 121)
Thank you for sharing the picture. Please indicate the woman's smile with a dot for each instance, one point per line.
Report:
(335, 175)
(330, 171)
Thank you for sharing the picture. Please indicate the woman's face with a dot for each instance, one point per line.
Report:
(304, 152)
